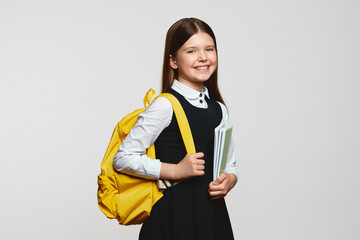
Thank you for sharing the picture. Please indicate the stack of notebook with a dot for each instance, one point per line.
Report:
(221, 148)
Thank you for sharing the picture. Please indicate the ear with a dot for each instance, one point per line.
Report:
(172, 63)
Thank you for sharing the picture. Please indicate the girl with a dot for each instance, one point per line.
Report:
(194, 208)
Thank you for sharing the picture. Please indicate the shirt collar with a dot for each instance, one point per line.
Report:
(188, 92)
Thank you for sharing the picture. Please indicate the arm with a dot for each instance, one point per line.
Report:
(131, 158)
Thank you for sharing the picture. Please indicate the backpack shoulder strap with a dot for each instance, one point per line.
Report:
(182, 121)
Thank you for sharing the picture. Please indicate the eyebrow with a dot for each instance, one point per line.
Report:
(197, 47)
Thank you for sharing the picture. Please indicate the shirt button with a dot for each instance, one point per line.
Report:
(200, 94)
(201, 101)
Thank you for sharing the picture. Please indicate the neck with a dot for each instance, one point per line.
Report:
(196, 86)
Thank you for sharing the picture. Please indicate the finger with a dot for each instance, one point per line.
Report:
(198, 155)
(200, 173)
(200, 167)
(216, 194)
(197, 166)
(221, 178)
(200, 162)
(212, 186)
(217, 187)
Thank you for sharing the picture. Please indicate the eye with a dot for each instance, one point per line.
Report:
(190, 51)
(210, 49)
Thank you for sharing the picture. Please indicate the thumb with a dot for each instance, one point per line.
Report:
(220, 179)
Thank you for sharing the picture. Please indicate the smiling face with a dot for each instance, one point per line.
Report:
(195, 61)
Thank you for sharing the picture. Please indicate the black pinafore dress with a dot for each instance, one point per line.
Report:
(186, 212)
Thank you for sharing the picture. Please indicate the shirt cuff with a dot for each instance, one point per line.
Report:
(152, 170)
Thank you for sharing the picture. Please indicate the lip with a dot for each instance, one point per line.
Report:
(202, 70)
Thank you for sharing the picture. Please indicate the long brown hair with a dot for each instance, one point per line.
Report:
(176, 36)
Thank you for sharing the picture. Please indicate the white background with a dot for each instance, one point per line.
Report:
(289, 72)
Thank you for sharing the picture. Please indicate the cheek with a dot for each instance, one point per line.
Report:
(188, 62)
(184, 61)
(213, 58)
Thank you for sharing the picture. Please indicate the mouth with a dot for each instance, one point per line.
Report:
(202, 67)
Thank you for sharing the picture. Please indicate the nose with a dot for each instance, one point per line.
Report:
(202, 56)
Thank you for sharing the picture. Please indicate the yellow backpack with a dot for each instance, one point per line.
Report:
(127, 198)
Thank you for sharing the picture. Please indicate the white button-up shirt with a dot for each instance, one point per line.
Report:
(131, 158)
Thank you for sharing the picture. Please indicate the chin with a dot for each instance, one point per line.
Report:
(203, 79)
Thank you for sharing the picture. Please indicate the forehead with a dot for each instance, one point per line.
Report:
(199, 39)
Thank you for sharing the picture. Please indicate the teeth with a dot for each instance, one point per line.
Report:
(202, 68)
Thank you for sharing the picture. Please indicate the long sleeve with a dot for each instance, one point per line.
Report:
(131, 157)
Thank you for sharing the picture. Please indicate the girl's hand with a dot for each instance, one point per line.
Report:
(222, 185)
(192, 165)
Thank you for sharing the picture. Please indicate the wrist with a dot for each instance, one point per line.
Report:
(233, 179)
(168, 171)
